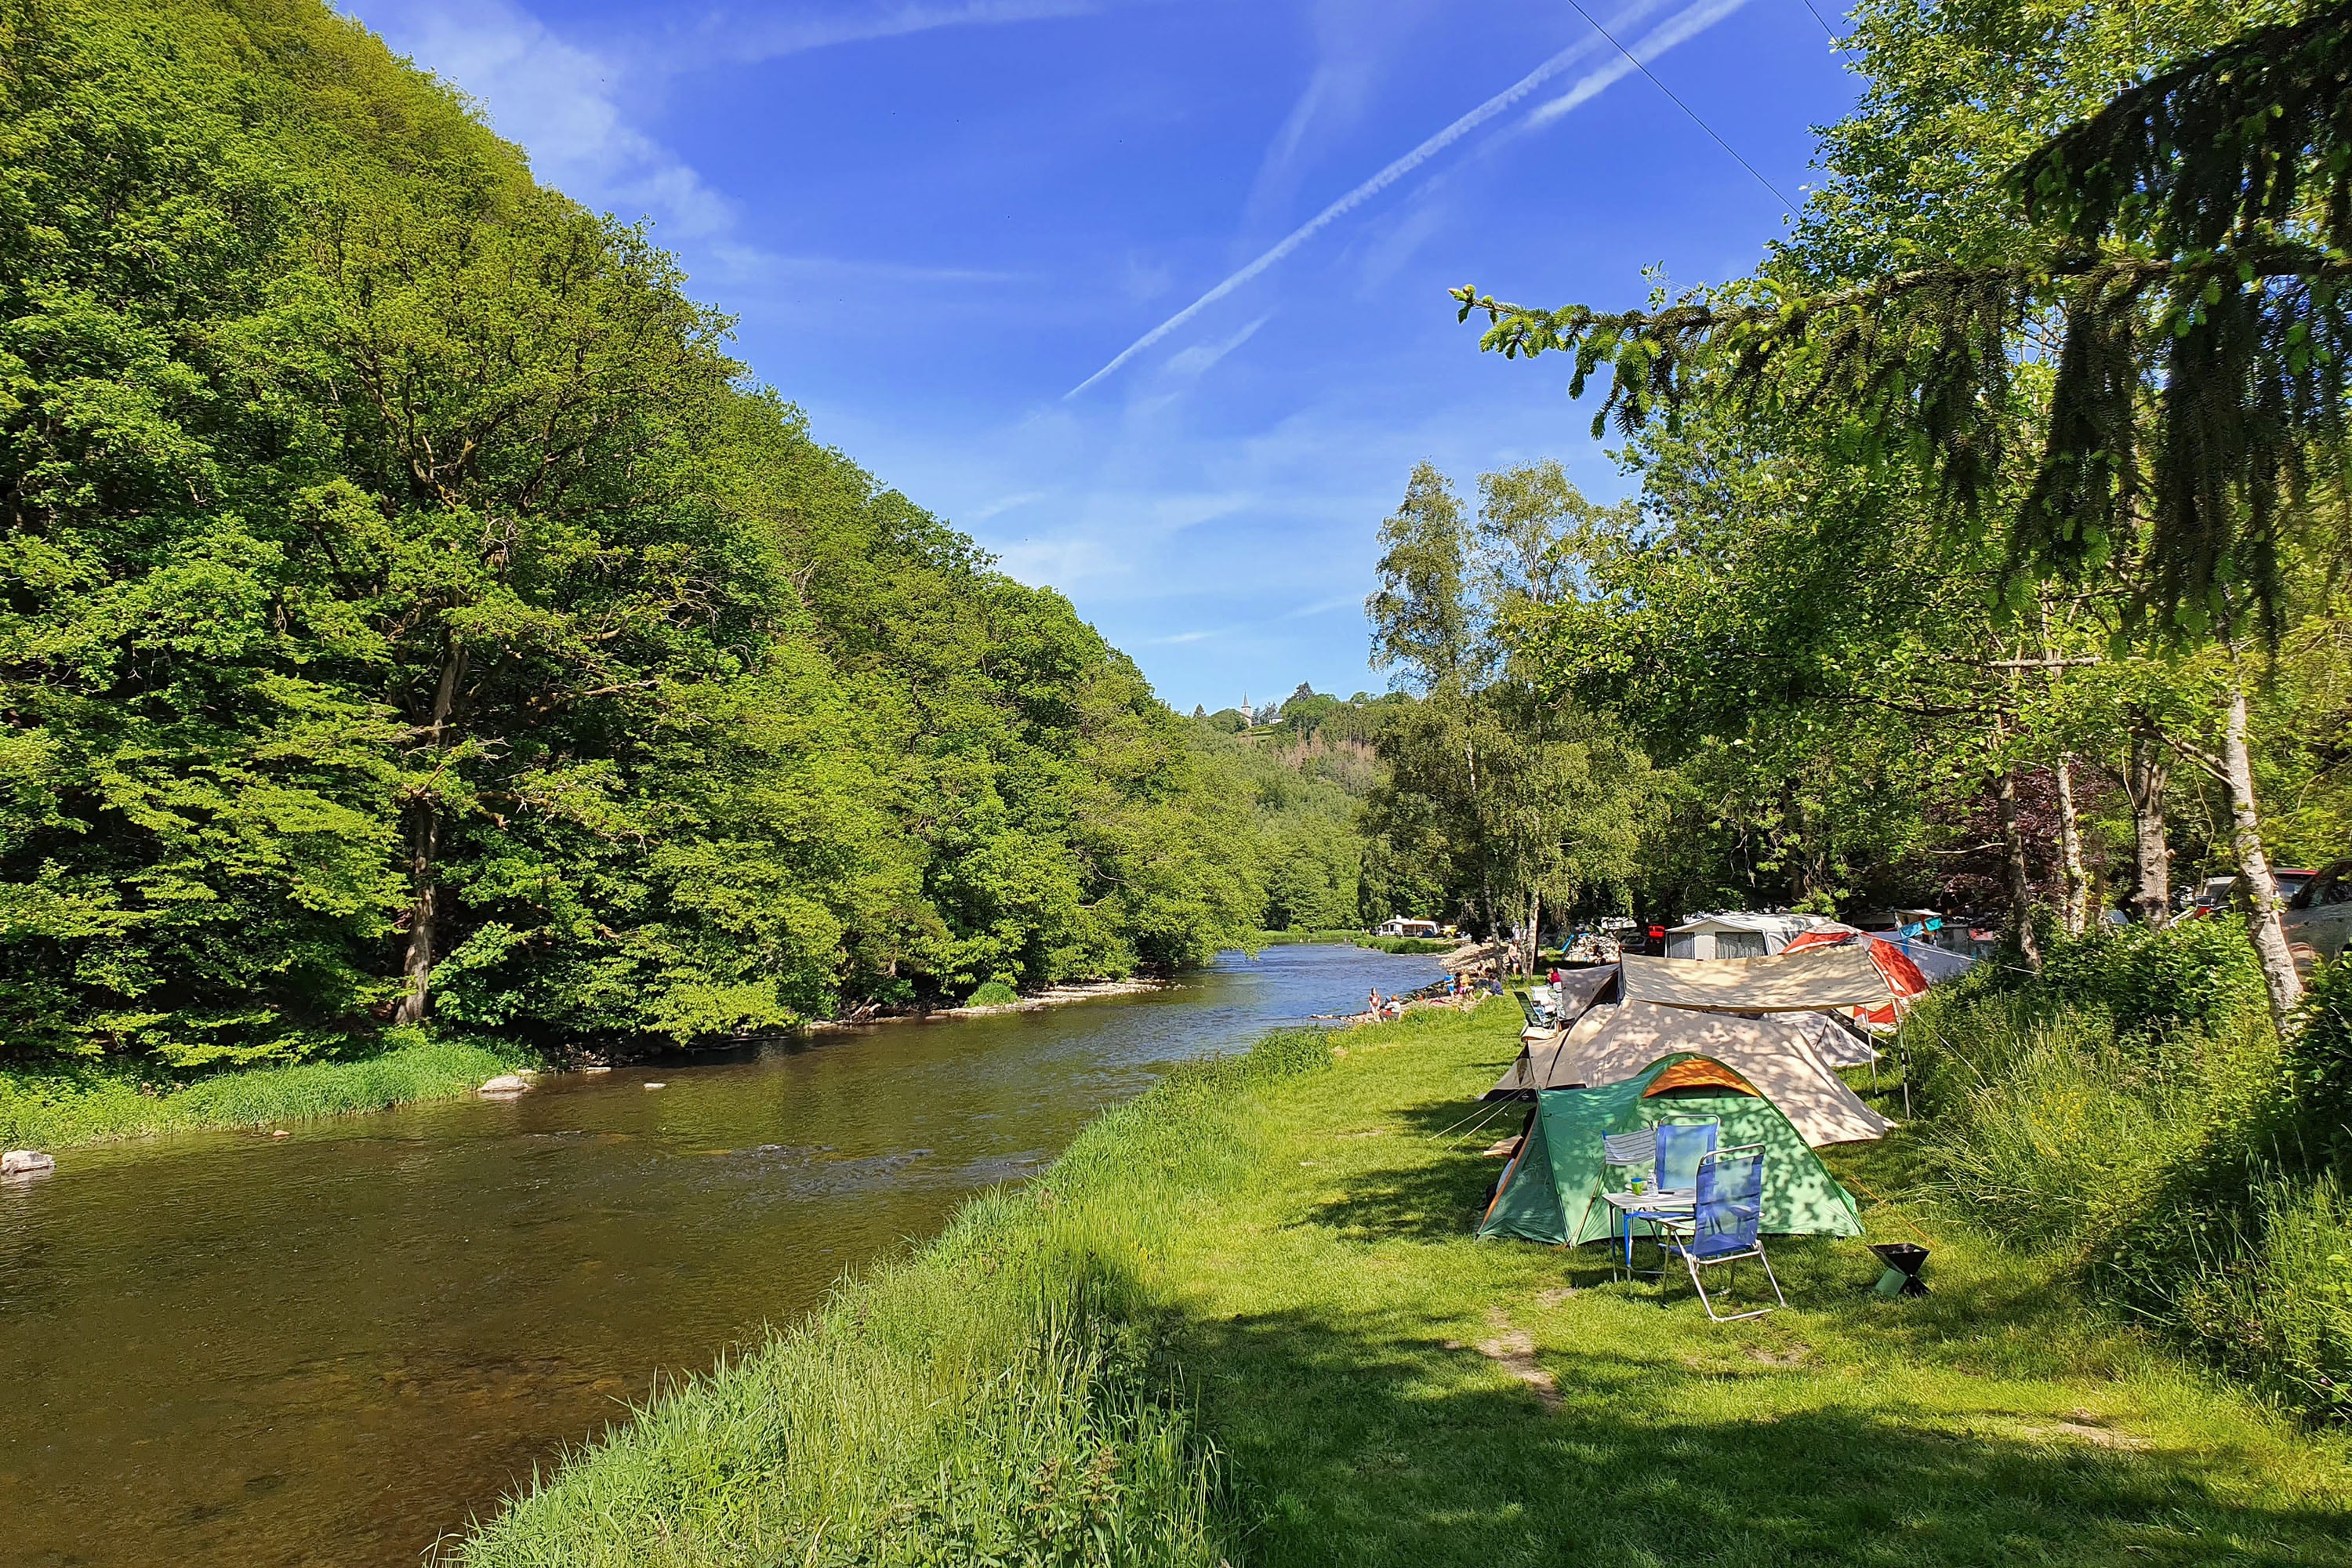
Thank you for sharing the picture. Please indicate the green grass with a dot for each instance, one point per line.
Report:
(1361, 939)
(2149, 1138)
(1249, 1307)
(59, 1107)
(993, 994)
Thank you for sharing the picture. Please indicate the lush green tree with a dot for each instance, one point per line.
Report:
(409, 610)
(1520, 797)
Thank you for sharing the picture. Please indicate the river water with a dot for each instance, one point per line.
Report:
(336, 1346)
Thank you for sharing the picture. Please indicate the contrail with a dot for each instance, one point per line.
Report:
(1676, 30)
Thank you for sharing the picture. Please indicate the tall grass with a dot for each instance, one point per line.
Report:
(1002, 1396)
(54, 1108)
(2132, 1109)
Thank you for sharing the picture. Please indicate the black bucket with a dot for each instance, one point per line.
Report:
(1903, 1259)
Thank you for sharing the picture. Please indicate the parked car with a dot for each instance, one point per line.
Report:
(2318, 919)
(2213, 894)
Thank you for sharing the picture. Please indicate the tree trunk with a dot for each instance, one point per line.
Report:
(1535, 919)
(424, 854)
(2144, 781)
(423, 913)
(2069, 850)
(2279, 978)
(2020, 876)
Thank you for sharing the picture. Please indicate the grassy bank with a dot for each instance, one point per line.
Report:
(1408, 943)
(1243, 1319)
(1359, 939)
(2132, 1114)
(58, 1108)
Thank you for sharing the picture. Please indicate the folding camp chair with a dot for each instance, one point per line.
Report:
(1672, 1150)
(1681, 1146)
(1725, 1223)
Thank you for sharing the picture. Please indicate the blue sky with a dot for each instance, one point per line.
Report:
(943, 225)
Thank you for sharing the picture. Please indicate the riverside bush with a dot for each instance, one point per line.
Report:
(2132, 1111)
(997, 992)
(2319, 1061)
(57, 1107)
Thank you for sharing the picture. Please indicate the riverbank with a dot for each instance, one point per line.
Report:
(1242, 1319)
(1051, 996)
(64, 1108)
(1397, 944)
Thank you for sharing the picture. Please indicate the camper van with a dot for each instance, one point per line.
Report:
(1737, 934)
(1399, 926)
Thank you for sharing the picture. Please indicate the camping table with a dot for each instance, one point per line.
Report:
(1625, 1206)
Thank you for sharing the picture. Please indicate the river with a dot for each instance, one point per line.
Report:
(334, 1347)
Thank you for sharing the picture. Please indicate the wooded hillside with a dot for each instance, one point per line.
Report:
(408, 608)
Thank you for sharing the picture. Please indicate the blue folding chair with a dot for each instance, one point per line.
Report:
(1672, 1150)
(1681, 1146)
(1725, 1223)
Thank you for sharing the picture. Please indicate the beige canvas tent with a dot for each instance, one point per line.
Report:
(1838, 1044)
(1543, 1056)
(1775, 1054)
(1822, 979)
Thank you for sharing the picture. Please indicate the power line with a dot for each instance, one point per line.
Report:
(1835, 42)
(1685, 108)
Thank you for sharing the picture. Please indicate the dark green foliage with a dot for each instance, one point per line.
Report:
(2151, 981)
(2319, 1059)
(2239, 140)
(405, 600)
(2125, 1108)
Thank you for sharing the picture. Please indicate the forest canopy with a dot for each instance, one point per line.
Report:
(409, 610)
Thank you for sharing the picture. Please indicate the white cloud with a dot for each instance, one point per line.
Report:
(999, 507)
(1324, 607)
(1676, 30)
(568, 106)
(721, 38)
(560, 101)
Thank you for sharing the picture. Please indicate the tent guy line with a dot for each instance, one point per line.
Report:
(1679, 28)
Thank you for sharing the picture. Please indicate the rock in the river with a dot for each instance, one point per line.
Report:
(24, 1161)
(505, 1083)
(657, 1086)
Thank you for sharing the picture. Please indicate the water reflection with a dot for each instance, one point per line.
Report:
(330, 1347)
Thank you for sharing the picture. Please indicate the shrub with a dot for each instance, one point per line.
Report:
(2194, 974)
(2275, 1304)
(2319, 1059)
(997, 992)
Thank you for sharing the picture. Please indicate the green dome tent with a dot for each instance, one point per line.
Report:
(1552, 1189)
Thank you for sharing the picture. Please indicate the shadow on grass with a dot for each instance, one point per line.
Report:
(1357, 1443)
(1418, 1197)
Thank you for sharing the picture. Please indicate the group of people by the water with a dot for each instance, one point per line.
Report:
(1380, 1009)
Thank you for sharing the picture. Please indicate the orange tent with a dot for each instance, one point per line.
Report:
(1905, 983)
